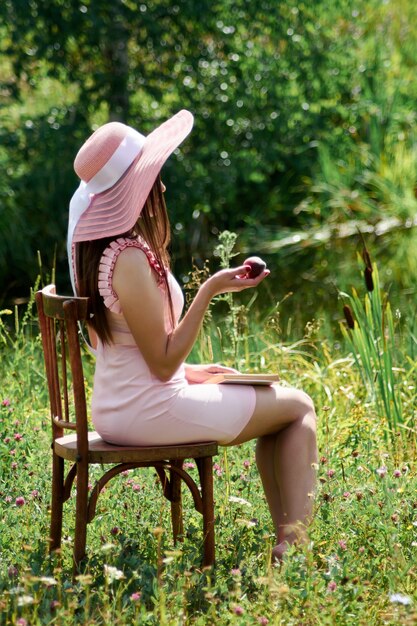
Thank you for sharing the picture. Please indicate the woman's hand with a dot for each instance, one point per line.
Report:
(198, 374)
(234, 279)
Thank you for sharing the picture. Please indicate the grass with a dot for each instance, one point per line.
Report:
(359, 567)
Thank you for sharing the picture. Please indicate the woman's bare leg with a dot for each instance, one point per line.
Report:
(284, 422)
(265, 455)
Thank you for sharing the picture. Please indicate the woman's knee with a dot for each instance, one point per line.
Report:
(305, 407)
(306, 420)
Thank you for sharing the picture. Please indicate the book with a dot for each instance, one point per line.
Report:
(243, 379)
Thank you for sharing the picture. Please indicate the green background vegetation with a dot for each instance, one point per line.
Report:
(305, 121)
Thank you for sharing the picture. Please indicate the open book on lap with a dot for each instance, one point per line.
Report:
(243, 379)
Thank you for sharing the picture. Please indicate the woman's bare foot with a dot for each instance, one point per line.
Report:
(278, 552)
(280, 549)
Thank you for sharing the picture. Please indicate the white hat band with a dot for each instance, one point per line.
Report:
(106, 177)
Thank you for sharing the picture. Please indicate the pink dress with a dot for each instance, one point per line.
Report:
(131, 406)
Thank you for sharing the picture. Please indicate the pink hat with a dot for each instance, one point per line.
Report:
(118, 166)
(116, 201)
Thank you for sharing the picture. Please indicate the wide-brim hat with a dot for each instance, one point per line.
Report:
(118, 166)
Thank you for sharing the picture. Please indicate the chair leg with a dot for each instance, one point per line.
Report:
(205, 468)
(176, 504)
(57, 502)
(80, 537)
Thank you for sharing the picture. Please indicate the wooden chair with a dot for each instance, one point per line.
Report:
(59, 317)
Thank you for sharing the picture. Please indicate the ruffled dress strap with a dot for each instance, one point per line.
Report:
(108, 261)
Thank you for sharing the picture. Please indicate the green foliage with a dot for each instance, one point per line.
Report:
(305, 114)
(372, 339)
(358, 567)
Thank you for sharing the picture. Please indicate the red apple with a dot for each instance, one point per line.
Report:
(256, 266)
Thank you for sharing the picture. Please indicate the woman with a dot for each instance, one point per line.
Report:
(144, 392)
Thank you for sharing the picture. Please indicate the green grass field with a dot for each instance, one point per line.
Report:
(361, 564)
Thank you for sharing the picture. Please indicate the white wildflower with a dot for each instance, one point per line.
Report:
(239, 500)
(48, 580)
(399, 598)
(24, 600)
(112, 573)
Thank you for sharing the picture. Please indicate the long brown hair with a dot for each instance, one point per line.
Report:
(153, 225)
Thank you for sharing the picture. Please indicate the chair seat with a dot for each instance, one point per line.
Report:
(100, 451)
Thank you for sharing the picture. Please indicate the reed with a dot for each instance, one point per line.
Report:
(371, 332)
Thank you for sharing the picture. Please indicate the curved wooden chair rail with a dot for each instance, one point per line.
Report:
(59, 318)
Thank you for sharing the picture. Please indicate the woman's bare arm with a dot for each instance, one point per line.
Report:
(142, 304)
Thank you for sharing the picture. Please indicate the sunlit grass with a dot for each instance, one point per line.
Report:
(358, 569)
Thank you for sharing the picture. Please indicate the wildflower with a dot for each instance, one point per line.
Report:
(23, 601)
(136, 487)
(35, 493)
(397, 473)
(355, 454)
(399, 598)
(239, 501)
(263, 621)
(112, 573)
(12, 571)
(18, 436)
(343, 544)
(361, 550)
(6, 402)
(246, 463)
(8, 499)
(323, 460)
(395, 517)
(238, 610)
(49, 581)
(13, 452)
(188, 465)
(346, 494)
(359, 495)
(14, 465)
(235, 572)
(381, 471)
(85, 579)
(21, 621)
(331, 586)
(54, 605)
(331, 472)
(20, 501)
(218, 469)
(136, 596)
(6, 439)
(115, 530)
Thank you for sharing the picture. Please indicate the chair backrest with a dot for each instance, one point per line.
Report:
(58, 319)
